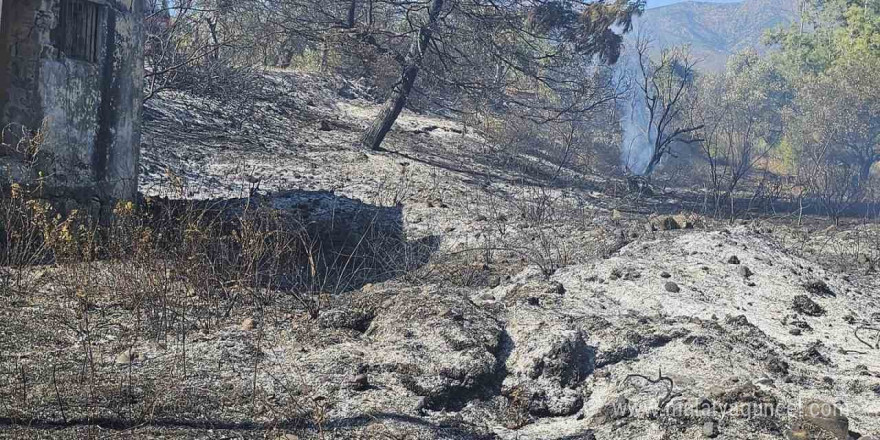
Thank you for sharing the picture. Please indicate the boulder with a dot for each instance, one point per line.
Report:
(672, 222)
(438, 344)
(667, 223)
(819, 420)
(684, 222)
(548, 361)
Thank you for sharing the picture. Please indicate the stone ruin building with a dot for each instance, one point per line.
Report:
(71, 73)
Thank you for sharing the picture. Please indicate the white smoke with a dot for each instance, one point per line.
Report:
(637, 147)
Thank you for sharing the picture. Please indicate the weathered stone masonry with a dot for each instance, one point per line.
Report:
(74, 69)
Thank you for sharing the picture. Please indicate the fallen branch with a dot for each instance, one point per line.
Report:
(660, 378)
(876, 344)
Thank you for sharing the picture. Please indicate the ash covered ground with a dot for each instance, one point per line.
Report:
(530, 311)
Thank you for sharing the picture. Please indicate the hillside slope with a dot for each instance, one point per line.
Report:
(715, 30)
(540, 312)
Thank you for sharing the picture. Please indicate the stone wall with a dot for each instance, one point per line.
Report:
(88, 108)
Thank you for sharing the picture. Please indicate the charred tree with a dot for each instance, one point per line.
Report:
(664, 85)
(401, 90)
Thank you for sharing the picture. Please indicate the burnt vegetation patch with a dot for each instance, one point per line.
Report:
(819, 288)
(804, 305)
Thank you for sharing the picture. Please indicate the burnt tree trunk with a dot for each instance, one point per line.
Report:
(652, 165)
(352, 10)
(865, 170)
(215, 51)
(380, 127)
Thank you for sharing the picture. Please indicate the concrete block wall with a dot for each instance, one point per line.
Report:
(88, 110)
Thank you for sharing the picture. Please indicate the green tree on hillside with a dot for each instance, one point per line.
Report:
(741, 121)
(832, 62)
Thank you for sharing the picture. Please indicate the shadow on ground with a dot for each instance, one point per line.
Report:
(323, 242)
(301, 425)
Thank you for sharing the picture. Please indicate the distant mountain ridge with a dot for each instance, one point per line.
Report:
(715, 30)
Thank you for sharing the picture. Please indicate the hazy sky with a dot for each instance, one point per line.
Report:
(656, 3)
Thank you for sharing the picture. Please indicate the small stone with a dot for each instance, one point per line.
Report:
(454, 315)
(616, 216)
(125, 357)
(744, 271)
(345, 318)
(766, 381)
(665, 274)
(556, 288)
(617, 409)
(421, 404)
(486, 297)
(248, 325)
(710, 429)
(733, 260)
(671, 287)
(739, 320)
(361, 382)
